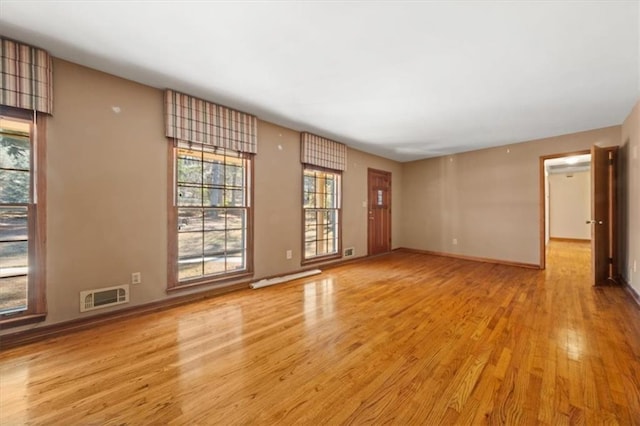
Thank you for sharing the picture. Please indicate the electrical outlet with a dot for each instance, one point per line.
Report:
(289, 254)
(455, 241)
(634, 266)
(136, 278)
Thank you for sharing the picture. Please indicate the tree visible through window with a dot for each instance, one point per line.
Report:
(15, 205)
(213, 202)
(321, 205)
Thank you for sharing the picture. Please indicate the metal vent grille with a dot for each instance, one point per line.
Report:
(103, 297)
(349, 252)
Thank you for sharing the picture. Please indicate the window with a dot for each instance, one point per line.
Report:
(21, 219)
(321, 205)
(212, 205)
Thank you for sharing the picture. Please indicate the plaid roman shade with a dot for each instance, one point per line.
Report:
(321, 152)
(25, 77)
(195, 120)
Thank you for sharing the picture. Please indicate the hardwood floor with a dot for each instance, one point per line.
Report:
(401, 339)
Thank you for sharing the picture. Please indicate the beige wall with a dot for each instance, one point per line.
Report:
(570, 205)
(630, 199)
(107, 193)
(489, 200)
(278, 192)
(106, 189)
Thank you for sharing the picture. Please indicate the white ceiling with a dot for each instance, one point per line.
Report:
(405, 80)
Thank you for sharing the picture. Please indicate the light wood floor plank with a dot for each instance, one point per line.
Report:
(401, 339)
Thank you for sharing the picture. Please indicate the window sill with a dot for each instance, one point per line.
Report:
(227, 280)
(17, 320)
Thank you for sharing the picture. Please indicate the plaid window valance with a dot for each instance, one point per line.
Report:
(26, 79)
(318, 151)
(195, 120)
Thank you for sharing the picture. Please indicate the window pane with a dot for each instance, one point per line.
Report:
(321, 247)
(234, 175)
(14, 186)
(333, 217)
(213, 197)
(234, 197)
(189, 269)
(310, 234)
(215, 219)
(331, 246)
(189, 170)
(235, 241)
(190, 246)
(189, 195)
(309, 249)
(309, 200)
(189, 220)
(14, 258)
(310, 216)
(328, 201)
(236, 218)
(13, 223)
(309, 188)
(214, 242)
(190, 255)
(321, 217)
(14, 152)
(214, 173)
(13, 293)
(186, 152)
(235, 261)
(215, 265)
(329, 184)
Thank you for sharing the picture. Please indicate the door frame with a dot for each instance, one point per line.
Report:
(543, 201)
(613, 209)
(389, 174)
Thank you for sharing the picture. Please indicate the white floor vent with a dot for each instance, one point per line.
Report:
(348, 252)
(103, 297)
(284, 279)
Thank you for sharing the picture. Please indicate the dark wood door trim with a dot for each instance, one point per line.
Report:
(600, 220)
(373, 247)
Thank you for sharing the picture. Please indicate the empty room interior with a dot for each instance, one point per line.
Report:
(319, 212)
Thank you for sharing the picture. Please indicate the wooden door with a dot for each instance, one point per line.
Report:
(379, 203)
(600, 215)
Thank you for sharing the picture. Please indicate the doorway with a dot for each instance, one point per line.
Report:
(567, 214)
(379, 216)
(602, 208)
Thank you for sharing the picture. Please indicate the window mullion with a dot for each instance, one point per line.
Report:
(202, 210)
